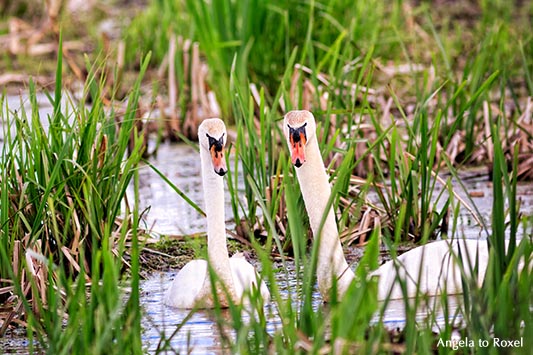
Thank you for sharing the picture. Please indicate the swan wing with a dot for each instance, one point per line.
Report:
(245, 277)
(432, 268)
(186, 286)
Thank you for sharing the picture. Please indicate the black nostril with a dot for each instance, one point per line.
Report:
(298, 163)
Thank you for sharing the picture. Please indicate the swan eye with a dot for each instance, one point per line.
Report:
(216, 144)
(298, 135)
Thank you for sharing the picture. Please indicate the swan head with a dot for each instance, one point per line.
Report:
(212, 138)
(299, 127)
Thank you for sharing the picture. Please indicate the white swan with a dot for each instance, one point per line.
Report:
(430, 269)
(191, 286)
(300, 130)
(434, 268)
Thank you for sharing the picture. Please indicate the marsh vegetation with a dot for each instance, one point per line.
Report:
(406, 94)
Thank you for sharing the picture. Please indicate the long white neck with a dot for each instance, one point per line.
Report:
(217, 250)
(316, 192)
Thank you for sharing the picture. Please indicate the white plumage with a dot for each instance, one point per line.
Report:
(192, 286)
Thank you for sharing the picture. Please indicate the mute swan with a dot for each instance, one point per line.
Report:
(430, 269)
(434, 268)
(300, 128)
(192, 286)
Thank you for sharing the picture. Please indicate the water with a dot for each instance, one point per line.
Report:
(168, 213)
(171, 215)
(200, 334)
(19, 105)
(478, 196)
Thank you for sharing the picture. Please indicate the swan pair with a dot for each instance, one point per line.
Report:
(430, 269)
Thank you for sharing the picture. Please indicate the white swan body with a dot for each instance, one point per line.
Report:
(194, 275)
(192, 286)
(429, 269)
(433, 268)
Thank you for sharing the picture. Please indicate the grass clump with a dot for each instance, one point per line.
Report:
(64, 225)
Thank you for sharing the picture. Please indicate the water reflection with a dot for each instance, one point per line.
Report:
(430, 311)
(200, 335)
(197, 336)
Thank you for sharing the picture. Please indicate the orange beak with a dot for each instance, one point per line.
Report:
(219, 163)
(297, 147)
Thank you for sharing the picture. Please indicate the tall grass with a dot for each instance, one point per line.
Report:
(501, 308)
(66, 232)
(340, 45)
(261, 35)
(403, 136)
